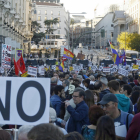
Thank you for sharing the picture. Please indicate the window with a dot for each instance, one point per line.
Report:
(51, 18)
(45, 12)
(59, 13)
(39, 12)
(58, 19)
(45, 18)
(58, 31)
(51, 12)
(39, 18)
(111, 25)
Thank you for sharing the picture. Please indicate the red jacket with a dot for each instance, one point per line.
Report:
(134, 128)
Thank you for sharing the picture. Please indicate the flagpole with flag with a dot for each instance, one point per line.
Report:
(115, 54)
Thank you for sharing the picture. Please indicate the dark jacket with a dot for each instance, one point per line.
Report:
(102, 93)
(56, 104)
(79, 117)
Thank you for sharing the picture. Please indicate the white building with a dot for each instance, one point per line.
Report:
(48, 11)
(106, 24)
(15, 24)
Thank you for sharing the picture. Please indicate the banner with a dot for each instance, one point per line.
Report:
(1, 70)
(25, 101)
(123, 72)
(32, 71)
(18, 54)
(106, 69)
(24, 74)
(6, 56)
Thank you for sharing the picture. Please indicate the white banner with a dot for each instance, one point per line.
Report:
(100, 68)
(41, 70)
(123, 72)
(6, 56)
(106, 69)
(1, 70)
(25, 101)
(32, 71)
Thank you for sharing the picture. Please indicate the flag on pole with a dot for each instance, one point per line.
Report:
(68, 54)
(123, 57)
(16, 68)
(115, 54)
(61, 67)
(21, 64)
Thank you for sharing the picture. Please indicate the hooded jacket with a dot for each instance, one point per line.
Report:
(123, 102)
(103, 92)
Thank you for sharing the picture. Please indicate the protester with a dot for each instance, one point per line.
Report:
(134, 96)
(66, 86)
(56, 101)
(89, 131)
(104, 88)
(58, 80)
(45, 132)
(105, 129)
(126, 90)
(110, 105)
(23, 131)
(124, 103)
(79, 115)
(86, 83)
(92, 78)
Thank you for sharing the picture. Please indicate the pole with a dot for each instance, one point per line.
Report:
(125, 32)
(68, 31)
(72, 38)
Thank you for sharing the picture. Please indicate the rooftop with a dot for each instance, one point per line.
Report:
(46, 3)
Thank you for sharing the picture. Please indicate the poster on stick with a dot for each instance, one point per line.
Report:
(32, 71)
(25, 101)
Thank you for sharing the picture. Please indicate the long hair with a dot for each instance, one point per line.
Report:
(89, 98)
(105, 129)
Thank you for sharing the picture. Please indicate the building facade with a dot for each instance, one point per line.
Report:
(48, 11)
(106, 24)
(15, 25)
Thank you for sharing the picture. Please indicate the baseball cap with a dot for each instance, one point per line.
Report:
(109, 97)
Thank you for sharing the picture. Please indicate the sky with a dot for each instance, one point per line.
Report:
(88, 6)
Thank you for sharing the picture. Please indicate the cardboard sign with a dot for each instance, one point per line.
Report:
(32, 71)
(81, 56)
(53, 67)
(136, 67)
(24, 74)
(41, 70)
(106, 69)
(123, 72)
(25, 101)
(6, 56)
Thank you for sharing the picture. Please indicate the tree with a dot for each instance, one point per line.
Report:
(124, 38)
(37, 35)
(134, 42)
(48, 23)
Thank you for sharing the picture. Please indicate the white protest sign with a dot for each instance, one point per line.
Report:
(65, 69)
(106, 69)
(25, 101)
(113, 70)
(94, 68)
(41, 70)
(1, 70)
(100, 68)
(54, 67)
(123, 72)
(32, 71)
(138, 62)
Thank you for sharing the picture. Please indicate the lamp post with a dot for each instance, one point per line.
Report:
(72, 27)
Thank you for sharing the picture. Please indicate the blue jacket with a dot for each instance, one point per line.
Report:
(103, 92)
(56, 104)
(79, 117)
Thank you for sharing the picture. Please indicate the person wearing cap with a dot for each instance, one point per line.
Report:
(104, 89)
(124, 103)
(109, 104)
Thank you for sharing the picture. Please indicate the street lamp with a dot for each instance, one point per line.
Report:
(72, 27)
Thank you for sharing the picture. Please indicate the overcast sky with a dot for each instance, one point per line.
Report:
(88, 6)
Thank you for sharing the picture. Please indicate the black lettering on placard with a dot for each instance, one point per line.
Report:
(6, 111)
(20, 110)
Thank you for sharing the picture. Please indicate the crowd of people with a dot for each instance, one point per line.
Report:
(88, 106)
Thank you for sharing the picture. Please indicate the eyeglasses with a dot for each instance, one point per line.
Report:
(107, 105)
(74, 96)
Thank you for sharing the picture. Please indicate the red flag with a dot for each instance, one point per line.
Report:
(21, 64)
(16, 67)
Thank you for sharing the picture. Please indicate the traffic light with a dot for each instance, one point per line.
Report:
(102, 33)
